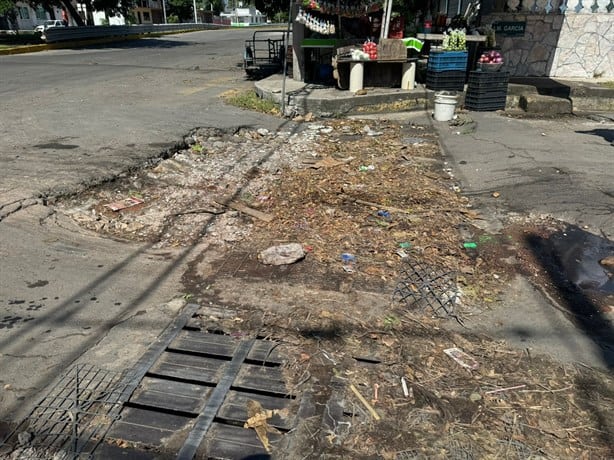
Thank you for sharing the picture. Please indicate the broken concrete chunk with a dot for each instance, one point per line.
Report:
(284, 254)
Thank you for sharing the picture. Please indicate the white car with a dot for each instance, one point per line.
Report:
(48, 25)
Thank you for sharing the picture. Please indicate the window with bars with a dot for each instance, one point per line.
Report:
(24, 12)
(41, 13)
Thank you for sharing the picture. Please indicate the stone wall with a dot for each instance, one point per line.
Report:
(559, 45)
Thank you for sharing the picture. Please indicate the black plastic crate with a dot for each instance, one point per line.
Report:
(488, 80)
(472, 92)
(485, 103)
(450, 80)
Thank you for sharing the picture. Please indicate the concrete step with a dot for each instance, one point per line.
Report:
(538, 103)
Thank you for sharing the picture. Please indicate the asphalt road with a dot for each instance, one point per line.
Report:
(69, 119)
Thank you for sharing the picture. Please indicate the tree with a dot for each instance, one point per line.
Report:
(183, 9)
(216, 6)
(271, 7)
(66, 5)
(114, 6)
(9, 11)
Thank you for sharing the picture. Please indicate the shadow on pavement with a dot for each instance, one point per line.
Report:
(607, 134)
(544, 86)
(143, 43)
(571, 258)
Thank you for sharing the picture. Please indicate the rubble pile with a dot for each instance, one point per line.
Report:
(362, 200)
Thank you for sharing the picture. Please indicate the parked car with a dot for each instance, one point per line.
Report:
(48, 25)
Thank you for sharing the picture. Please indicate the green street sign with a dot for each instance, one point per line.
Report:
(510, 29)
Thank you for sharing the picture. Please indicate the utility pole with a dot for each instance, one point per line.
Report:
(195, 16)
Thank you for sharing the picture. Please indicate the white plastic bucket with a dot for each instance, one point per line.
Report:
(445, 105)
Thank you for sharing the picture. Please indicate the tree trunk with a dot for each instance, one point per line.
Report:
(72, 12)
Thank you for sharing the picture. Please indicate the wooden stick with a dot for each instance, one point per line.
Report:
(501, 390)
(374, 414)
(247, 210)
(199, 211)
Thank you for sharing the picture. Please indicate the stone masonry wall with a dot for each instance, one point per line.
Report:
(559, 45)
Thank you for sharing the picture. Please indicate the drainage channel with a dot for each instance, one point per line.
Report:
(189, 396)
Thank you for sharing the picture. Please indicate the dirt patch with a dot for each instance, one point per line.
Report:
(371, 203)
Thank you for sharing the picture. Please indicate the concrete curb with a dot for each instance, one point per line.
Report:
(535, 96)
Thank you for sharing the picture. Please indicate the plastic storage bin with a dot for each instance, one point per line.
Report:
(486, 91)
(488, 81)
(451, 80)
(485, 103)
(447, 60)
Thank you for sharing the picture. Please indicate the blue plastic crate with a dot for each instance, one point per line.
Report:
(447, 60)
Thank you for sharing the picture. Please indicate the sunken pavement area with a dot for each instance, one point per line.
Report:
(348, 342)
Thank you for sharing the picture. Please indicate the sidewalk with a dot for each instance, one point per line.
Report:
(534, 94)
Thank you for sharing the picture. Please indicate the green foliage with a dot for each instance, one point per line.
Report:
(281, 17)
(183, 9)
(8, 9)
(172, 19)
(198, 148)
(391, 322)
(217, 6)
(251, 101)
(272, 7)
(6, 6)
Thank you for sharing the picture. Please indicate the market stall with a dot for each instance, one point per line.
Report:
(350, 44)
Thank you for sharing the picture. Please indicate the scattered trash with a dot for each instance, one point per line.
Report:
(475, 397)
(123, 204)
(363, 168)
(607, 261)
(413, 140)
(496, 194)
(404, 387)
(405, 245)
(470, 245)
(402, 254)
(462, 358)
(365, 403)
(284, 254)
(348, 262)
(369, 132)
(384, 214)
(257, 419)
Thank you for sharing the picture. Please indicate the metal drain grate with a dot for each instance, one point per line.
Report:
(425, 287)
(72, 419)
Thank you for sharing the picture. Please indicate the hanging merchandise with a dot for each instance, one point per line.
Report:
(345, 9)
(314, 23)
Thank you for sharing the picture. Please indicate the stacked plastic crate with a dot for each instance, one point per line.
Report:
(486, 91)
(446, 70)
